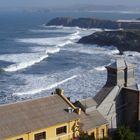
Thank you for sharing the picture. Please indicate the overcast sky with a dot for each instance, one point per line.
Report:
(58, 3)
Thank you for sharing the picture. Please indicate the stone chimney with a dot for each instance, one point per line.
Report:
(59, 91)
(120, 73)
(129, 74)
(116, 73)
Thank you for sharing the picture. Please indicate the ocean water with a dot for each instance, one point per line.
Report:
(35, 59)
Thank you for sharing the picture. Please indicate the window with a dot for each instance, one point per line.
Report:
(40, 136)
(61, 130)
(93, 135)
(102, 133)
(20, 139)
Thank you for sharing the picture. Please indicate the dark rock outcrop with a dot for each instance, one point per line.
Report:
(83, 22)
(124, 40)
(92, 23)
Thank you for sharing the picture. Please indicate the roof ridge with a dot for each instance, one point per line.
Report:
(27, 101)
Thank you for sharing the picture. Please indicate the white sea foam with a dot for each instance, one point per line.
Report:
(21, 60)
(52, 31)
(93, 49)
(23, 65)
(132, 57)
(65, 43)
(116, 51)
(53, 26)
(75, 35)
(27, 59)
(35, 91)
(52, 50)
(131, 53)
(21, 57)
(62, 27)
(111, 11)
(51, 41)
(100, 68)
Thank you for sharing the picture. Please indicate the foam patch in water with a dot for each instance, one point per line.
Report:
(47, 88)
(51, 41)
(23, 65)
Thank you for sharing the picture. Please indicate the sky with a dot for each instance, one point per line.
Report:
(62, 3)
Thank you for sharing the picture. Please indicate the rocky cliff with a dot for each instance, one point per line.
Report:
(92, 23)
(124, 40)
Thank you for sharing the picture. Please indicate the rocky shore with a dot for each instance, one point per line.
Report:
(93, 23)
(124, 40)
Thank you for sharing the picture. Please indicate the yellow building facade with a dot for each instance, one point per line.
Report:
(99, 132)
(68, 131)
(72, 131)
(49, 118)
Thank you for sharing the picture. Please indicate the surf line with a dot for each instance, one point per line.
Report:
(44, 89)
(23, 65)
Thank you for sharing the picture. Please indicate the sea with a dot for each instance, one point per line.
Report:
(35, 58)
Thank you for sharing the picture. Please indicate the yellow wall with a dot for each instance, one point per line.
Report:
(51, 132)
(98, 131)
(24, 136)
(72, 130)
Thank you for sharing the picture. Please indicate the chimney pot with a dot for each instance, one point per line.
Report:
(59, 91)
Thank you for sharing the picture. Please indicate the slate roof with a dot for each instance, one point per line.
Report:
(24, 117)
(91, 120)
(103, 93)
(88, 102)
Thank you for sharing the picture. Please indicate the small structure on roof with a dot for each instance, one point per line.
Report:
(87, 105)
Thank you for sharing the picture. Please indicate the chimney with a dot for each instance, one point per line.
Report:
(59, 91)
(72, 108)
(116, 72)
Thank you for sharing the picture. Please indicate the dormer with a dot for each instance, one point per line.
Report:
(87, 105)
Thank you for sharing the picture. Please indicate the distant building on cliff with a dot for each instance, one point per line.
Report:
(51, 118)
(119, 100)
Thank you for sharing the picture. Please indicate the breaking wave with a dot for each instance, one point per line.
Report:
(52, 50)
(23, 65)
(57, 42)
(62, 27)
(93, 49)
(28, 62)
(100, 68)
(45, 89)
(51, 41)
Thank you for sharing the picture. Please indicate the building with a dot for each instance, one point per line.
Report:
(92, 122)
(119, 100)
(51, 118)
